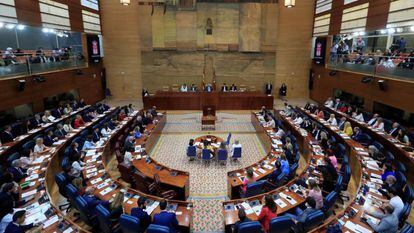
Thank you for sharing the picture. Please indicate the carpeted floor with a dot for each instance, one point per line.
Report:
(208, 184)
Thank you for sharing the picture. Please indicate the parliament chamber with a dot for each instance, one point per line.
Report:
(272, 116)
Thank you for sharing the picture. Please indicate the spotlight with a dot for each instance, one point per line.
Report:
(412, 28)
(1, 24)
(391, 30)
(399, 30)
(10, 26)
(45, 30)
(367, 79)
(383, 31)
(20, 26)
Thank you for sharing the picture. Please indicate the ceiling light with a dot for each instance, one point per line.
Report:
(290, 3)
(391, 30)
(52, 30)
(400, 30)
(10, 26)
(45, 30)
(20, 26)
(412, 28)
(1, 24)
(125, 2)
(361, 33)
(383, 31)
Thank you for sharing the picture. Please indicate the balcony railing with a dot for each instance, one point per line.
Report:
(398, 66)
(29, 65)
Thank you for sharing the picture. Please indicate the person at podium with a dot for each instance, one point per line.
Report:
(224, 88)
(208, 88)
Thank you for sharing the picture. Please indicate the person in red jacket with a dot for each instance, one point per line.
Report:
(78, 122)
(268, 212)
(121, 115)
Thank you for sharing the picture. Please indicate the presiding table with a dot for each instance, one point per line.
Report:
(168, 100)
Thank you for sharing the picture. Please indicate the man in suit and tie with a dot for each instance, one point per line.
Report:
(224, 88)
(165, 218)
(268, 88)
(341, 124)
(316, 133)
(93, 201)
(18, 172)
(139, 212)
(357, 136)
(96, 134)
(233, 88)
(7, 135)
(208, 88)
(60, 132)
(373, 120)
(394, 131)
(57, 113)
(36, 121)
(17, 225)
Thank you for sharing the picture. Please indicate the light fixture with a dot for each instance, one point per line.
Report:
(290, 3)
(399, 30)
(125, 2)
(10, 26)
(361, 33)
(52, 30)
(20, 26)
(391, 30)
(1, 24)
(383, 31)
(45, 30)
(412, 28)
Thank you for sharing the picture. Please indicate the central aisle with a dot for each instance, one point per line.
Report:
(208, 184)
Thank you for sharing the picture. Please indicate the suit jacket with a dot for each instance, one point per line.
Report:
(14, 228)
(18, 173)
(47, 140)
(144, 218)
(224, 88)
(208, 88)
(394, 132)
(92, 202)
(96, 136)
(358, 137)
(6, 137)
(34, 123)
(60, 133)
(233, 88)
(57, 113)
(7, 203)
(341, 125)
(268, 89)
(167, 219)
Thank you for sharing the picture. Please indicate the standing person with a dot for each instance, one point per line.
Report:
(283, 91)
(268, 88)
(315, 192)
(334, 52)
(268, 212)
(224, 88)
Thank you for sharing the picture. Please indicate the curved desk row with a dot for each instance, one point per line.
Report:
(401, 152)
(286, 196)
(8, 148)
(365, 171)
(107, 187)
(170, 178)
(42, 177)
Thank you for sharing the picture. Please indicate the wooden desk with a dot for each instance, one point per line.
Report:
(170, 178)
(208, 122)
(386, 140)
(167, 100)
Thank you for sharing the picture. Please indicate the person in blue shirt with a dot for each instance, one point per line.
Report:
(139, 212)
(89, 144)
(137, 132)
(165, 218)
(284, 164)
(16, 225)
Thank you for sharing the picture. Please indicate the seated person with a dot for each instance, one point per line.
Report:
(298, 120)
(116, 207)
(121, 115)
(248, 180)
(329, 174)
(268, 212)
(329, 102)
(89, 144)
(348, 129)
(105, 130)
(270, 122)
(78, 122)
(279, 131)
(208, 88)
(301, 217)
(129, 143)
(242, 218)
(147, 119)
(128, 157)
(332, 120)
(394, 130)
(388, 220)
(93, 201)
(224, 88)
(7, 134)
(49, 138)
(358, 135)
(402, 137)
(67, 110)
(39, 147)
(36, 122)
(137, 132)
(394, 200)
(60, 131)
(319, 113)
(193, 88)
(341, 123)
(68, 126)
(184, 88)
(390, 183)
(273, 176)
(153, 111)
(47, 117)
(166, 218)
(233, 88)
(17, 170)
(379, 125)
(17, 226)
(373, 120)
(357, 115)
(139, 212)
(96, 135)
(388, 170)
(284, 164)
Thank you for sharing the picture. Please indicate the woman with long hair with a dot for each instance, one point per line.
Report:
(268, 212)
(116, 208)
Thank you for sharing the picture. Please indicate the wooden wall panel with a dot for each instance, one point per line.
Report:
(145, 27)
(399, 94)
(377, 14)
(28, 12)
(250, 27)
(186, 30)
(122, 46)
(89, 86)
(293, 48)
(270, 14)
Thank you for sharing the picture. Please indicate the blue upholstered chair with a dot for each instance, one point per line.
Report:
(191, 152)
(250, 227)
(154, 228)
(254, 188)
(206, 156)
(222, 156)
(237, 153)
(130, 224)
(281, 224)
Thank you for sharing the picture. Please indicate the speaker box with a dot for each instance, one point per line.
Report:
(21, 85)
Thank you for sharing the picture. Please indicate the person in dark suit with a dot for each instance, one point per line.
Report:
(208, 88)
(35, 122)
(273, 176)
(224, 88)
(57, 113)
(7, 202)
(60, 132)
(153, 111)
(18, 172)
(233, 88)
(242, 218)
(96, 135)
(358, 135)
(283, 91)
(268, 88)
(16, 226)
(166, 218)
(7, 135)
(93, 201)
(129, 143)
(395, 128)
(49, 138)
(82, 103)
(139, 212)
(146, 120)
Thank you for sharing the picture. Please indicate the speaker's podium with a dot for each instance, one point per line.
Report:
(208, 120)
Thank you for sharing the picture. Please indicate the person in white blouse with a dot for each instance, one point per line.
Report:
(47, 118)
(184, 88)
(67, 110)
(128, 157)
(67, 126)
(298, 120)
(358, 116)
(279, 131)
(379, 124)
(40, 148)
(329, 103)
(105, 131)
(332, 120)
(77, 166)
(270, 122)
